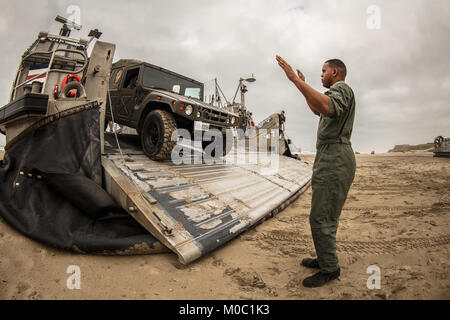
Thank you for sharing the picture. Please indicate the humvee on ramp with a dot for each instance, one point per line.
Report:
(156, 102)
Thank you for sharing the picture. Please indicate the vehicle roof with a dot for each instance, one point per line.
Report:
(131, 62)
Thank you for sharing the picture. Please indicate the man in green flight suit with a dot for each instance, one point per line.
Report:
(334, 164)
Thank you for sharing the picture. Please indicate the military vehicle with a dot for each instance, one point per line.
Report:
(68, 184)
(156, 102)
(442, 147)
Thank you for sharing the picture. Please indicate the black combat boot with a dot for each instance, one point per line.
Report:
(310, 263)
(320, 278)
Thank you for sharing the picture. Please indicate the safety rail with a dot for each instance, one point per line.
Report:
(46, 72)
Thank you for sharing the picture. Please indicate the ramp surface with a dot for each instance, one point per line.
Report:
(193, 209)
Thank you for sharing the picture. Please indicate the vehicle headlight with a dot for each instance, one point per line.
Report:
(228, 120)
(188, 110)
(233, 120)
(198, 114)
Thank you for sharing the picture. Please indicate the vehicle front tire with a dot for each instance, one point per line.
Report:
(156, 135)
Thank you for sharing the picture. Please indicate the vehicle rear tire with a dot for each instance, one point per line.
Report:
(156, 135)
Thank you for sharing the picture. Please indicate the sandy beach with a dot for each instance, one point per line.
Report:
(396, 217)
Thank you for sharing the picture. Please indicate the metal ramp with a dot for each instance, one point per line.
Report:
(193, 209)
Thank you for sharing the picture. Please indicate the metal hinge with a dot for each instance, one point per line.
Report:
(166, 229)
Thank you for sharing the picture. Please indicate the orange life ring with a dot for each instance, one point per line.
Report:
(72, 93)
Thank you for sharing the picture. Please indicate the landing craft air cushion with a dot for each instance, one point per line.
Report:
(191, 208)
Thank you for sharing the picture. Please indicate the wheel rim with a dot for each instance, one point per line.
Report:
(152, 137)
(155, 134)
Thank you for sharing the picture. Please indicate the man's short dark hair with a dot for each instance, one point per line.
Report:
(338, 64)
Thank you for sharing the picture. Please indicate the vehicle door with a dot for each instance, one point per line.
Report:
(115, 83)
(126, 100)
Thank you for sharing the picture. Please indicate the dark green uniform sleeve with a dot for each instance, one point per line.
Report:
(340, 96)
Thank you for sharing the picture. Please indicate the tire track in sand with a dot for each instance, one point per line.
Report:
(292, 242)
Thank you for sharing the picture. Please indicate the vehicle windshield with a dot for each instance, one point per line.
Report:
(158, 79)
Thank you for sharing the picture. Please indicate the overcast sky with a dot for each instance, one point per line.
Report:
(398, 65)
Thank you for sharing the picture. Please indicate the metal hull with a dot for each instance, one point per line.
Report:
(442, 154)
(442, 147)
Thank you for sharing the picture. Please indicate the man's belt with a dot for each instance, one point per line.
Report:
(340, 140)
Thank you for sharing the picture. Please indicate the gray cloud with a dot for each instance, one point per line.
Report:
(399, 72)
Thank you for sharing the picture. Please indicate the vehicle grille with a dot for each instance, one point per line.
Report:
(214, 116)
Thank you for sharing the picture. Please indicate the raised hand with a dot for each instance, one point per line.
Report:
(287, 68)
(300, 75)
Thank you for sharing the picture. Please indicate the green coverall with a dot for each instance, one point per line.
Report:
(333, 173)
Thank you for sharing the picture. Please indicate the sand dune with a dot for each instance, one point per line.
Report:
(396, 217)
